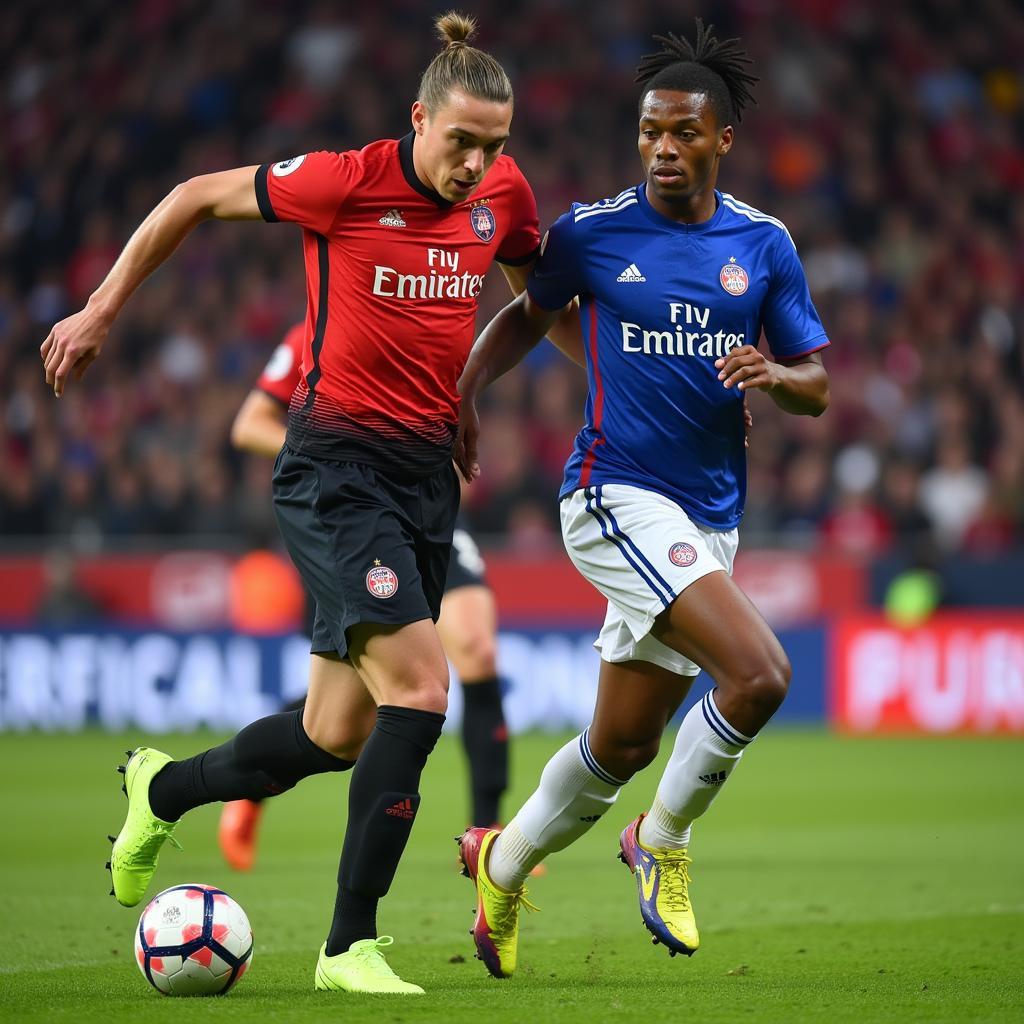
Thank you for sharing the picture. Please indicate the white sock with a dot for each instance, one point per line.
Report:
(706, 751)
(574, 792)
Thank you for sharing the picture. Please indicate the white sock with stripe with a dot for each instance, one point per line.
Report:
(574, 792)
(706, 751)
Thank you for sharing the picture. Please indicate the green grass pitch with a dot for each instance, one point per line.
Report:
(834, 880)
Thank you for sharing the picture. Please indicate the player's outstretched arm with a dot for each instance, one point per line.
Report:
(565, 333)
(502, 344)
(799, 386)
(260, 425)
(76, 341)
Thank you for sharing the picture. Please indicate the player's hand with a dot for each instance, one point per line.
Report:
(748, 424)
(745, 368)
(466, 439)
(71, 346)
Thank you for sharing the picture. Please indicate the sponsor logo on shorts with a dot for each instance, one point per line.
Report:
(483, 222)
(682, 554)
(382, 582)
(733, 277)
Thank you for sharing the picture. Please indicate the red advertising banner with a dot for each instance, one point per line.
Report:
(199, 589)
(958, 673)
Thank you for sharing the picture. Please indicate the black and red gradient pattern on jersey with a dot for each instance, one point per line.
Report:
(319, 427)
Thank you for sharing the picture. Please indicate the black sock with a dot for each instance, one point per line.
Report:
(382, 803)
(264, 759)
(296, 705)
(485, 737)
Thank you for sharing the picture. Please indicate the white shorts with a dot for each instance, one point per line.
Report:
(641, 550)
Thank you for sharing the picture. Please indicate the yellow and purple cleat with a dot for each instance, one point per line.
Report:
(496, 928)
(663, 885)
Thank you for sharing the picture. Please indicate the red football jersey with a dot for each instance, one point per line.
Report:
(284, 367)
(393, 272)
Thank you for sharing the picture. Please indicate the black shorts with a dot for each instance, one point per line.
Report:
(370, 546)
(466, 566)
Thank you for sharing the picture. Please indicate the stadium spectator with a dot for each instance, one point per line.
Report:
(891, 142)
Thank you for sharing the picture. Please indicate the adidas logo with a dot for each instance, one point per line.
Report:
(392, 219)
(591, 817)
(631, 275)
(714, 779)
(403, 809)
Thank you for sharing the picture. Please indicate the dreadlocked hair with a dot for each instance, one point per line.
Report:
(461, 66)
(715, 67)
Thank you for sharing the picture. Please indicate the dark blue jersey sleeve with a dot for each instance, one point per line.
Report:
(555, 280)
(791, 323)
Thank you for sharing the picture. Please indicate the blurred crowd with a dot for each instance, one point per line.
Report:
(888, 137)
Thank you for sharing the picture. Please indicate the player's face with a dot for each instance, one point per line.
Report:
(680, 144)
(457, 143)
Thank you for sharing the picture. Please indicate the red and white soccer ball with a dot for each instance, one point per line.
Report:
(193, 940)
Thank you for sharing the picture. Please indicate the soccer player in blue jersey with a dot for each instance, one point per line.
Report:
(676, 282)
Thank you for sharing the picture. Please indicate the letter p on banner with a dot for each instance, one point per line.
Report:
(958, 673)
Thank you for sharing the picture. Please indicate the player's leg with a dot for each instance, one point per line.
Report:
(635, 701)
(405, 671)
(577, 787)
(468, 626)
(265, 758)
(391, 640)
(240, 819)
(714, 624)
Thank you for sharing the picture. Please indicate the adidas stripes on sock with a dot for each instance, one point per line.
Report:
(706, 751)
(574, 792)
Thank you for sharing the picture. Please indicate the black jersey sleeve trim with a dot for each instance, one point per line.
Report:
(263, 194)
(518, 261)
(323, 262)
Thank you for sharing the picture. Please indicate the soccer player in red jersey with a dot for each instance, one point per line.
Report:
(467, 623)
(397, 239)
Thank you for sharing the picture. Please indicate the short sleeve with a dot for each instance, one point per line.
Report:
(791, 323)
(522, 239)
(555, 280)
(284, 368)
(307, 190)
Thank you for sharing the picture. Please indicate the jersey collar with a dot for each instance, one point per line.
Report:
(409, 171)
(687, 229)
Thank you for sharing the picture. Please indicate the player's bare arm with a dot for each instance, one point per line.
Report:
(798, 386)
(73, 344)
(260, 425)
(503, 344)
(565, 332)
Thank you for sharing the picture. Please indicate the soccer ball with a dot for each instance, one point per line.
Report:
(193, 940)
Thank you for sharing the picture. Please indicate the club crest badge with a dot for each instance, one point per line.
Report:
(482, 220)
(682, 554)
(733, 277)
(382, 582)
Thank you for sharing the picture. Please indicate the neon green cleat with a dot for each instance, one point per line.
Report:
(362, 968)
(137, 846)
(496, 928)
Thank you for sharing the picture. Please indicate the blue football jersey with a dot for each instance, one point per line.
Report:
(660, 301)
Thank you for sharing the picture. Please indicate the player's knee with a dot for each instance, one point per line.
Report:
(342, 738)
(623, 755)
(425, 693)
(476, 657)
(765, 688)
